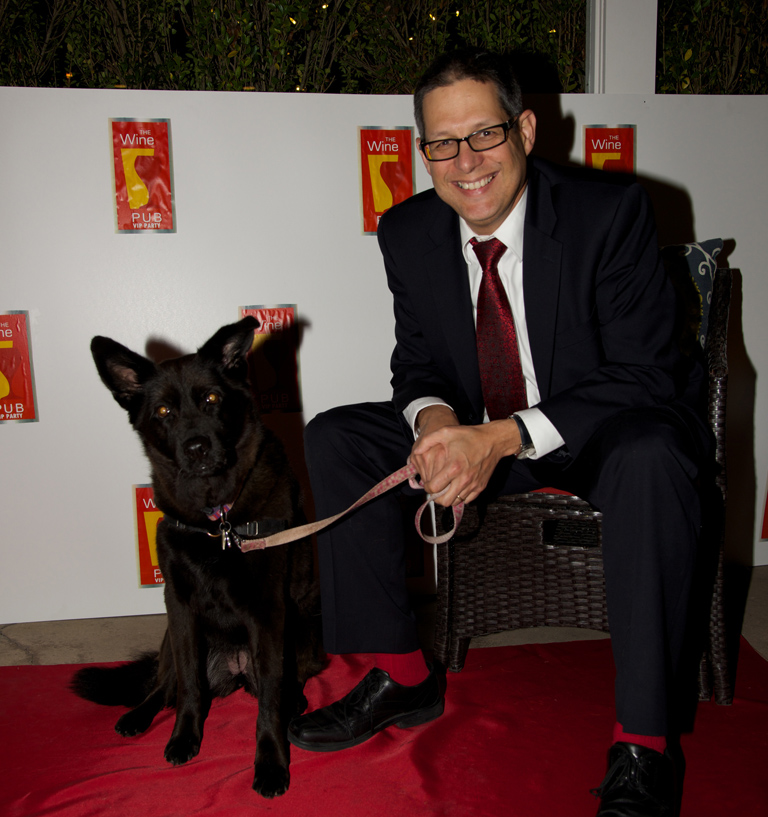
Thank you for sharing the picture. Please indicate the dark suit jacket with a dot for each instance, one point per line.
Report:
(599, 306)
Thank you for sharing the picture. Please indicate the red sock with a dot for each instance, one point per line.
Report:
(407, 669)
(658, 743)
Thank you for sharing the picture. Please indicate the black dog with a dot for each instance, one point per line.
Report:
(234, 619)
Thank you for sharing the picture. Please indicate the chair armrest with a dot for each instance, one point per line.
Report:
(717, 335)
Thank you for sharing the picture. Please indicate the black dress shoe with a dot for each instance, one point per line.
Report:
(374, 704)
(640, 783)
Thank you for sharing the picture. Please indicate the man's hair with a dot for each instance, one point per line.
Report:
(470, 63)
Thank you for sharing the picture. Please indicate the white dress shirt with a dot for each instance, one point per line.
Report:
(544, 435)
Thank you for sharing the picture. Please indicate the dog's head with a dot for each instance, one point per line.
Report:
(195, 414)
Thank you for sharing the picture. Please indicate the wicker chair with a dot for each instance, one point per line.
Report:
(535, 559)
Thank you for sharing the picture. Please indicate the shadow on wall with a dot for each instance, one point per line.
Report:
(555, 141)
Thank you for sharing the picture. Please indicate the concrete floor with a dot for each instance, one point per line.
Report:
(119, 639)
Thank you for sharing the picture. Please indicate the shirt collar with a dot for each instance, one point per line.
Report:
(510, 232)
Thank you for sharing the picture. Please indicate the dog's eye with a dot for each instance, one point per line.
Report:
(162, 411)
(212, 398)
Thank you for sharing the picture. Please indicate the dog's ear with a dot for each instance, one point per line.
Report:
(123, 372)
(230, 345)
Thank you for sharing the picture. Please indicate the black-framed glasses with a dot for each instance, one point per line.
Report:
(440, 150)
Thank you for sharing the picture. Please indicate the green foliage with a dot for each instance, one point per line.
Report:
(310, 45)
(392, 42)
(712, 47)
(231, 45)
(32, 35)
(355, 46)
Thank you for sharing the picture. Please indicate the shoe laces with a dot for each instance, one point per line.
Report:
(367, 687)
(625, 768)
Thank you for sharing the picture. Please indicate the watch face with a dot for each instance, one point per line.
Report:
(526, 451)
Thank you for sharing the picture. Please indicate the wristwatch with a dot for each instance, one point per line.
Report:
(528, 448)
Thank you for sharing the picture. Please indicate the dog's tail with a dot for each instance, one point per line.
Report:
(124, 685)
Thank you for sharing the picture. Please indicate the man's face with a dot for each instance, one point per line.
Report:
(482, 188)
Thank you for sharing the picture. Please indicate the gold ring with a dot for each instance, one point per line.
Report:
(459, 497)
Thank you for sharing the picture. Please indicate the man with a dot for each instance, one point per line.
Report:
(534, 347)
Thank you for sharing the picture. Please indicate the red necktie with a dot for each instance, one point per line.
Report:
(500, 371)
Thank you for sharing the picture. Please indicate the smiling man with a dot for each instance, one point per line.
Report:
(483, 186)
(535, 347)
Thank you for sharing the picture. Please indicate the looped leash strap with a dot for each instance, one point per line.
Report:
(408, 472)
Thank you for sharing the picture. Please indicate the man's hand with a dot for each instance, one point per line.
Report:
(455, 462)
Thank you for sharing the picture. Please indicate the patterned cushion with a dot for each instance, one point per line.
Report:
(692, 270)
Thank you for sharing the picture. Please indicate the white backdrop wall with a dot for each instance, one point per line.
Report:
(268, 212)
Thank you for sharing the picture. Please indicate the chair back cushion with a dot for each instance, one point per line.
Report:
(692, 270)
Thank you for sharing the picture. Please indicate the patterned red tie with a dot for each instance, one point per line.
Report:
(500, 371)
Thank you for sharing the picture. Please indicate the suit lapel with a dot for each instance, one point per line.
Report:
(449, 283)
(541, 277)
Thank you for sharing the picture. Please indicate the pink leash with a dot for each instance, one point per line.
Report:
(408, 472)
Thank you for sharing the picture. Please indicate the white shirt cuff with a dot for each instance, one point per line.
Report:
(544, 436)
(411, 411)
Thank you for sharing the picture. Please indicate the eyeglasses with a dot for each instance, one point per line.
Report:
(440, 150)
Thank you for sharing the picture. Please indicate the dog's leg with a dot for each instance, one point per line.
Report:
(193, 699)
(271, 776)
(139, 719)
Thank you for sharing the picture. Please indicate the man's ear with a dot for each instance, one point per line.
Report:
(424, 159)
(526, 124)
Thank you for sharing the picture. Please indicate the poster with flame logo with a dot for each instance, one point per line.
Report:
(17, 380)
(610, 147)
(147, 517)
(142, 170)
(386, 171)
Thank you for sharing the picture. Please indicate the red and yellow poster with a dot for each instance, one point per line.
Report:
(610, 147)
(274, 359)
(386, 171)
(17, 379)
(143, 175)
(147, 517)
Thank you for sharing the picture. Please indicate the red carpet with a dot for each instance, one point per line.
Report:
(506, 746)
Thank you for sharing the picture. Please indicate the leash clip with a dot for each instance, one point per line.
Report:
(228, 535)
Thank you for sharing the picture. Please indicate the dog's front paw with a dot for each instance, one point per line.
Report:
(134, 723)
(181, 748)
(270, 779)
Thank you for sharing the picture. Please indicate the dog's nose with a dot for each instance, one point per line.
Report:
(197, 447)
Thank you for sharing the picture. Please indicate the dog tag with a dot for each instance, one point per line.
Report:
(228, 536)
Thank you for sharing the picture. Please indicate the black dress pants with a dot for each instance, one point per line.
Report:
(640, 469)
